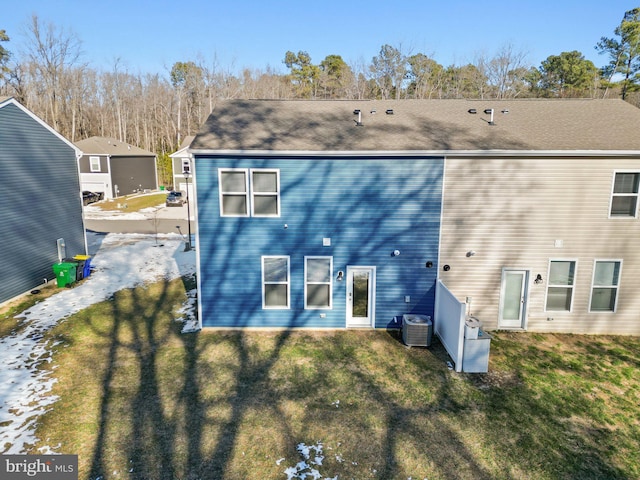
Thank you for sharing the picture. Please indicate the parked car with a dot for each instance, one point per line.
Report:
(175, 199)
(91, 197)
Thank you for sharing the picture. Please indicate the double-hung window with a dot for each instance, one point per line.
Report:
(265, 193)
(604, 287)
(275, 282)
(234, 192)
(561, 276)
(94, 164)
(624, 196)
(249, 192)
(318, 276)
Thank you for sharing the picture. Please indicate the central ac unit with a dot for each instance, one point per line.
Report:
(417, 330)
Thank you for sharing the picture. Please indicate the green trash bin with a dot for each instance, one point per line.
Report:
(65, 273)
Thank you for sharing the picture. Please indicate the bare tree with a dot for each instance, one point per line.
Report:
(505, 71)
(51, 52)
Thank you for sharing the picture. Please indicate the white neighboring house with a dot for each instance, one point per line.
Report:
(182, 163)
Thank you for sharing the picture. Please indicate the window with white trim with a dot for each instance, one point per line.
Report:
(234, 193)
(94, 163)
(276, 289)
(604, 286)
(560, 285)
(249, 192)
(624, 195)
(318, 279)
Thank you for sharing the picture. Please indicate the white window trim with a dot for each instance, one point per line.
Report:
(268, 194)
(249, 194)
(549, 285)
(221, 193)
(91, 164)
(330, 283)
(288, 283)
(637, 195)
(617, 287)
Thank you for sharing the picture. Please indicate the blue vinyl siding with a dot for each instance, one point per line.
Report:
(368, 207)
(39, 201)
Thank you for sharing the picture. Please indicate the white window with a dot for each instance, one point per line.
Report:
(604, 286)
(186, 165)
(275, 282)
(245, 192)
(318, 277)
(234, 193)
(624, 195)
(94, 163)
(265, 188)
(561, 277)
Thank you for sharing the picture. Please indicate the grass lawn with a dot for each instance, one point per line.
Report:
(140, 400)
(132, 203)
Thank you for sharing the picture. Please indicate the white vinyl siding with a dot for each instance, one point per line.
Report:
(276, 289)
(318, 282)
(624, 195)
(245, 192)
(94, 163)
(604, 286)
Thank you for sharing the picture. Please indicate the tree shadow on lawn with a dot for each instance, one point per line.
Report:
(192, 405)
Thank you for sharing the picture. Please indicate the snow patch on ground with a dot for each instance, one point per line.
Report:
(119, 262)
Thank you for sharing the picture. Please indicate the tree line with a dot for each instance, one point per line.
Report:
(156, 112)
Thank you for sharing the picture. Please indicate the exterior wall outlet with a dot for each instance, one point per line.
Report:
(323, 315)
(468, 300)
(407, 299)
(549, 319)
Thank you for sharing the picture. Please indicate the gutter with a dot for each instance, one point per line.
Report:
(416, 153)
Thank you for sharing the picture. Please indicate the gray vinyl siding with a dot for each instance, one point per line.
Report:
(85, 164)
(511, 212)
(39, 202)
(130, 174)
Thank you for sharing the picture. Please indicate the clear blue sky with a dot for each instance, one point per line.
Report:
(150, 36)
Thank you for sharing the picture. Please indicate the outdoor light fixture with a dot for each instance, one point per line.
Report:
(538, 279)
(340, 275)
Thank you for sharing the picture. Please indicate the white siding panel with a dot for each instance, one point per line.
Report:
(511, 212)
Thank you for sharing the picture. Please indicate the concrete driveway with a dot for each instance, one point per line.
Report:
(149, 221)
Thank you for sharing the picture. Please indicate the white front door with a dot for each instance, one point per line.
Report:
(361, 296)
(513, 298)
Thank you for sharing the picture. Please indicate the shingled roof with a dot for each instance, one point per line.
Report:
(419, 125)
(110, 146)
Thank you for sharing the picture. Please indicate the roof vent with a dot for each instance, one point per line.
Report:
(389, 112)
(489, 111)
(372, 112)
(506, 110)
(356, 112)
(472, 110)
(359, 121)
